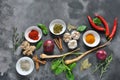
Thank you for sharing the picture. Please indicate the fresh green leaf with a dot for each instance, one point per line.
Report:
(69, 75)
(43, 28)
(61, 68)
(81, 28)
(39, 44)
(58, 66)
(97, 21)
(55, 64)
(45, 32)
(71, 66)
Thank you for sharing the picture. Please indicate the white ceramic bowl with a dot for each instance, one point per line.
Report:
(97, 38)
(57, 21)
(28, 30)
(23, 72)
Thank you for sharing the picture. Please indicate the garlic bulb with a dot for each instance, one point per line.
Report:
(67, 37)
(75, 35)
(72, 44)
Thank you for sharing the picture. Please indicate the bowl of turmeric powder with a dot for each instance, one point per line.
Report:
(91, 38)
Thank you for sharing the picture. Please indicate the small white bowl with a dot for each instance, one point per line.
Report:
(97, 38)
(28, 30)
(57, 21)
(23, 72)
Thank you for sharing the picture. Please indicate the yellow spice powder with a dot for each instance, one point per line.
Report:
(90, 38)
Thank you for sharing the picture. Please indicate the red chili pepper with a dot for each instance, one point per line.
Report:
(105, 24)
(114, 28)
(99, 28)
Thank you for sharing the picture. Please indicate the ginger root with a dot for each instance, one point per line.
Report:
(28, 49)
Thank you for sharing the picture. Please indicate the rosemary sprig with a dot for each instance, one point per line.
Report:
(103, 66)
(16, 39)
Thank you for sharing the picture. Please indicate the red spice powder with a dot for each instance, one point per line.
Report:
(34, 35)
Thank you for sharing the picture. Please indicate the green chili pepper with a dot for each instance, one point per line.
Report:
(43, 28)
(45, 32)
(39, 44)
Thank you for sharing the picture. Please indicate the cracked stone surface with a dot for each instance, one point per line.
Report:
(25, 13)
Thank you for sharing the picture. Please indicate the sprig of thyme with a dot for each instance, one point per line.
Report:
(17, 38)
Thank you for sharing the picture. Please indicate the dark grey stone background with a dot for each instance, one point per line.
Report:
(25, 13)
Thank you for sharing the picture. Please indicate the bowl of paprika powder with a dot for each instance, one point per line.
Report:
(33, 34)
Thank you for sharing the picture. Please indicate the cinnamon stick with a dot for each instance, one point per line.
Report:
(57, 43)
(60, 40)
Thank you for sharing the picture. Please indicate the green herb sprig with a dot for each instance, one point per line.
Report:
(16, 39)
(58, 66)
(103, 66)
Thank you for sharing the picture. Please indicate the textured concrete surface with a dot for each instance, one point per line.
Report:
(25, 13)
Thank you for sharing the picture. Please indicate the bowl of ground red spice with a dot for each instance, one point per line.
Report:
(33, 34)
(91, 38)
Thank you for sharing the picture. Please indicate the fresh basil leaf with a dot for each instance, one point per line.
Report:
(81, 28)
(61, 68)
(55, 64)
(70, 76)
(97, 21)
(71, 66)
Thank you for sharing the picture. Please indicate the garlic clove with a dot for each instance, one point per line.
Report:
(72, 44)
(67, 37)
(75, 35)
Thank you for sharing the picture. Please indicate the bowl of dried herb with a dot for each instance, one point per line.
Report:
(57, 27)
